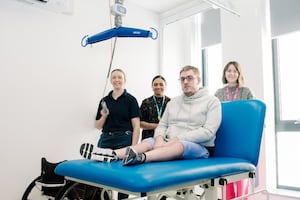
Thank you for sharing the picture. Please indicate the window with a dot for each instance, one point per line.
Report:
(286, 65)
(212, 67)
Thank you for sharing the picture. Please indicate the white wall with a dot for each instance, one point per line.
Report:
(50, 85)
(242, 41)
(174, 55)
(247, 39)
(181, 46)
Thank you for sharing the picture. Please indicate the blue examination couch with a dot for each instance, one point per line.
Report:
(237, 149)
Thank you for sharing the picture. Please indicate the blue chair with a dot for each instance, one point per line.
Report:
(237, 148)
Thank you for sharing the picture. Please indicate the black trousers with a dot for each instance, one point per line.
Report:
(115, 140)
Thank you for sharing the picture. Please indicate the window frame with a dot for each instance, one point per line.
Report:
(280, 125)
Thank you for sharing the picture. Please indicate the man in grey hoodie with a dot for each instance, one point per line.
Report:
(187, 129)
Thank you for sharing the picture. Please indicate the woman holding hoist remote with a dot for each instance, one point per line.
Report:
(118, 116)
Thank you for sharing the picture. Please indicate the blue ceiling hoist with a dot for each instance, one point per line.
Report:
(119, 31)
(118, 10)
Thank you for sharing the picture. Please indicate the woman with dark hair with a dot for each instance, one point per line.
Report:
(152, 108)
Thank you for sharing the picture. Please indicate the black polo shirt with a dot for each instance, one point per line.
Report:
(121, 111)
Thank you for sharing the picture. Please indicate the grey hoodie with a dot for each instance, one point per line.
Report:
(195, 118)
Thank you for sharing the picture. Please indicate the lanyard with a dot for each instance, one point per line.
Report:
(159, 111)
(236, 92)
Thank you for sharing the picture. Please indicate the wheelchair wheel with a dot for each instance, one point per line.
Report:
(79, 191)
(34, 191)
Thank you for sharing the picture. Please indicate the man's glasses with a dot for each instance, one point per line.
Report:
(188, 78)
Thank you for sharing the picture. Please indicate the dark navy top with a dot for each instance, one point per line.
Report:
(121, 111)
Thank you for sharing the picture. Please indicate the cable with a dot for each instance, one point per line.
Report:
(109, 69)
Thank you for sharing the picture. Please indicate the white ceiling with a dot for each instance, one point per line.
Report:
(164, 6)
(159, 6)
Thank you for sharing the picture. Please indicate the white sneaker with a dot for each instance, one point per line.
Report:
(88, 151)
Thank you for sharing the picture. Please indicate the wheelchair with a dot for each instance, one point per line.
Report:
(50, 186)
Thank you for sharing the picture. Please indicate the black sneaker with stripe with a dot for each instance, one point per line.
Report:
(133, 158)
(88, 151)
